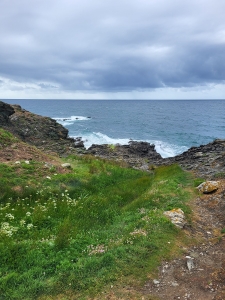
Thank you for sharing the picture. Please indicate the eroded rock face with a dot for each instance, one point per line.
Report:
(6, 111)
(208, 187)
(205, 161)
(30, 126)
(42, 132)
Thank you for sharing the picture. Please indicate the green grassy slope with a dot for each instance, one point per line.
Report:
(76, 234)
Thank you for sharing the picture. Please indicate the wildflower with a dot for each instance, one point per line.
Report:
(7, 229)
(96, 249)
(43, 208)
(28, 214)
(5, 225)
(22, 222)
(29, 226)
(139, 232)
(9, 216)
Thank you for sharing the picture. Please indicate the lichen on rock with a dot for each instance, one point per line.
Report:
(208, 187)
(176, 216)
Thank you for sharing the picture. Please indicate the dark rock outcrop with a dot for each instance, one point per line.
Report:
(135, 154)
(207, 161)
(78, 143)
(134, 148)
(43, 132)
(6, 111)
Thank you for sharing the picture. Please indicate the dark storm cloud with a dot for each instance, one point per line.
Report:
(112, 45)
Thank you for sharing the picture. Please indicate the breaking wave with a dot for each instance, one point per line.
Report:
(163, 148)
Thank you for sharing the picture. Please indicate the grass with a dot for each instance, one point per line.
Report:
(79, 233)
(6, 138)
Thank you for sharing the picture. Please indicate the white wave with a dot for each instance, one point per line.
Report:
(168, 150)
(163, 148)
(70, 120)
(100, 138)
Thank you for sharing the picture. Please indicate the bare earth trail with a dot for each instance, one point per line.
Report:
(206, 280)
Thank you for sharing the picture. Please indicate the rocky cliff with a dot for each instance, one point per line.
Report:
(206, 161)
(5, 112)
(42, 132)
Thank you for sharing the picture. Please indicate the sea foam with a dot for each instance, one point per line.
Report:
(71, 120)
(164, 149)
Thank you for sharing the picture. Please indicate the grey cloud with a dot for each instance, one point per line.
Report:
(113, 45)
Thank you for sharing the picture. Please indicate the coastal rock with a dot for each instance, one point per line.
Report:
(205, 161)
(208, 187)
(136, 154)
(5, 112)
(176, 216)
(43, 132)
(78, 143)
(143, 149)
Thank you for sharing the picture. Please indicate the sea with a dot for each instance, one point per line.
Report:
(173, 126)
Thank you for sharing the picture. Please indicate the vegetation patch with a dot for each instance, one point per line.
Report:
(81, 232)
(6, 138)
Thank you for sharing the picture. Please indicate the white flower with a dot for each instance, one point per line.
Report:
(29, 226)
(7, 229)
(5, 225)
(9, 216)
(22, 222)
(28, 214)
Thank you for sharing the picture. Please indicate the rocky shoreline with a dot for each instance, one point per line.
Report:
(49, 136)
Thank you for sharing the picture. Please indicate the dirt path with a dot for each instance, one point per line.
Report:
(206, 279)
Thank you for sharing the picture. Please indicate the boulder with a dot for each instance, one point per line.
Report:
(208, 187)
(66, 165)
(176, 216)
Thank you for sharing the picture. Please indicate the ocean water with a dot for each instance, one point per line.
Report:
(173, 126)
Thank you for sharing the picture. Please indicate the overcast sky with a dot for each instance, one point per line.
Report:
(112, 49)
